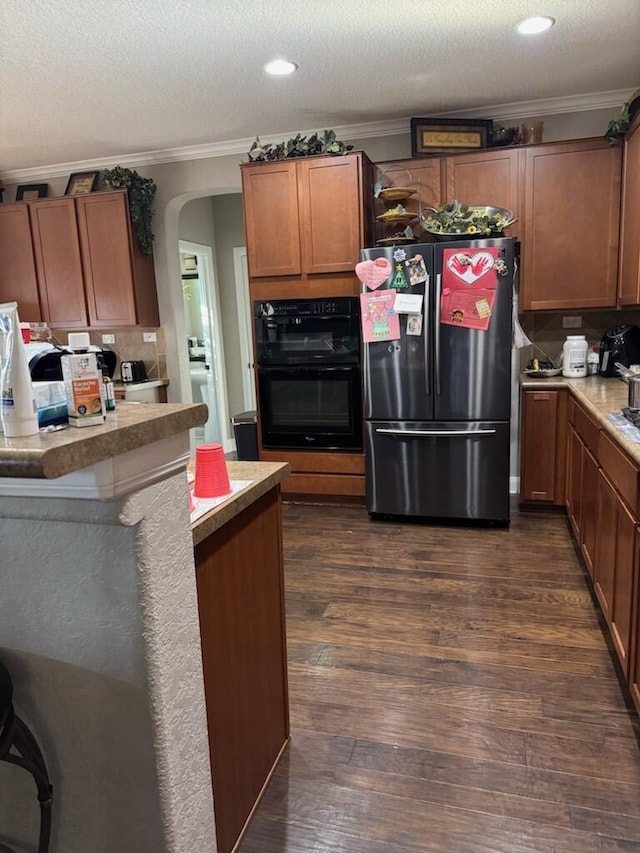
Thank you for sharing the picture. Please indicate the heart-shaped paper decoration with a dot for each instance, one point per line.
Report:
(373, 273)
(470, 268)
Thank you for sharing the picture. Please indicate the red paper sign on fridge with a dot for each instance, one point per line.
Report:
(469, 282)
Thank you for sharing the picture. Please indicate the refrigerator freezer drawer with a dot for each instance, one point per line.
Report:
(438, 470)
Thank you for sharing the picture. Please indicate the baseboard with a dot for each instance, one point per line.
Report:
(514, 485)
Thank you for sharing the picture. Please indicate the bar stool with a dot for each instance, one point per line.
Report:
(15, 735)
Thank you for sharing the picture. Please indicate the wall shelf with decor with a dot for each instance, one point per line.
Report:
(397, 206)
(413, 184)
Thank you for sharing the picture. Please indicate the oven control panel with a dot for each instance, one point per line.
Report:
(343, 305)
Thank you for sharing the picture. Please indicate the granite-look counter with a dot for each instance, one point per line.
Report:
(132, 425)
(599, 396)
(265, 476)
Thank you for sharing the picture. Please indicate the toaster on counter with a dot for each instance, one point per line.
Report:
(133, 371)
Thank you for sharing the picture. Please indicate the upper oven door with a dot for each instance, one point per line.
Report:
(299, 338)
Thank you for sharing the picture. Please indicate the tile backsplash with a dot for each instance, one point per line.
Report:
(129, 346)
(547, 333)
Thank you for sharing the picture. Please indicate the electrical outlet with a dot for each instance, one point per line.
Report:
(149, 337)
(572, 322)
(108, 339)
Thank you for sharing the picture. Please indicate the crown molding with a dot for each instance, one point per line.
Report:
(367, 130)
(614, 99)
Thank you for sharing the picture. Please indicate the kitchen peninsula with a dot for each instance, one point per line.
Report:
(99, 628)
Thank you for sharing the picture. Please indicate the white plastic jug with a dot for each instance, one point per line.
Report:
(574, 356)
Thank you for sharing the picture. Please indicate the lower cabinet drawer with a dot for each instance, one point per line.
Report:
(620, 469)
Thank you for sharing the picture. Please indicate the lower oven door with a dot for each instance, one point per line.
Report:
(311, 407)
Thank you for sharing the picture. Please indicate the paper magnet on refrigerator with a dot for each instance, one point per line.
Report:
(416, 270)
(400, 280)
(373, 273)
(379, 321)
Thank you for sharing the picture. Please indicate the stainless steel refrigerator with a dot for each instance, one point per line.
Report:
(438, 405)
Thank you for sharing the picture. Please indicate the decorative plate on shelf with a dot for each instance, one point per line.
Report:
(398, 240)
(395, 216)
(397, 193)
(544, 372)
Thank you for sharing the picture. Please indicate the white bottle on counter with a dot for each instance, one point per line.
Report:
(574, 356)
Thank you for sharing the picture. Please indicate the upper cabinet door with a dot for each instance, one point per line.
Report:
(105, 241)
(57, 254)
(572, 216)
(486, 177)
(331, 221)
(271, 219)
(629, 278)
(18, 281)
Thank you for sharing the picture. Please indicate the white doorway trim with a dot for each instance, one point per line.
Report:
(245, 319)
(211, 299)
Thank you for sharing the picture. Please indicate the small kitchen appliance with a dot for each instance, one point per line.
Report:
(133, 371)
(622, 345)
(45, 360)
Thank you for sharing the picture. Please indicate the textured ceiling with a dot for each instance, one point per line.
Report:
(86, 79)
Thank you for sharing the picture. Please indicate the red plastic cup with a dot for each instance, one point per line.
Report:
(212, 477)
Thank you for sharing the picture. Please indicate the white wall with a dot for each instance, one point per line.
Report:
(229, 221)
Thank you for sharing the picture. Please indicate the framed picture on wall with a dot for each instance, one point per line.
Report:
(27, 192)
(81, 183)
(437, 135)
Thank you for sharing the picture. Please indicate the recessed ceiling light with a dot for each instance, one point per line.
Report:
(280, 67)
(531, 26)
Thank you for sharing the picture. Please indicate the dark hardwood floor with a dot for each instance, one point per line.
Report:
(451, 690)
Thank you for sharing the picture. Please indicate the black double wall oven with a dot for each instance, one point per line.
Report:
(309, 377)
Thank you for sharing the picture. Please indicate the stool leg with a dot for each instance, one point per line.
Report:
(31, 759)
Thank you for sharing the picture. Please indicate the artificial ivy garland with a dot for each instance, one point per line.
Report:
(298, 146)
(140, 192)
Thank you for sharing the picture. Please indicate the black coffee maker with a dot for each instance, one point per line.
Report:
(622, 345)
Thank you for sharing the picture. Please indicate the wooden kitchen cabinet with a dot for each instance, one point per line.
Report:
(629, 275)
(329, 194)
(240, 586)
(486, 177)
(582, 480)
(589, 508)
(543, 446)
(18, 282)
(270, 192)
(56, 248)
(307, 217)
(89, 270)
(614, 565)
(634, 654)
(571, 224)
(574, 480)
(119, 279)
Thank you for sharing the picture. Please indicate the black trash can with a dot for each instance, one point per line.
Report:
(246, 435)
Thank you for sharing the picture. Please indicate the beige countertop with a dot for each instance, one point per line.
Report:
(265, 476)
(53, 454)
(599, 396)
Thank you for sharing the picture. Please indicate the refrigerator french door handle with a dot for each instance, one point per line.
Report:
(436, 432)
(425, 336)
(436, 331)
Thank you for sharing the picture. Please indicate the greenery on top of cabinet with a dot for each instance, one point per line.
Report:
(141, 192)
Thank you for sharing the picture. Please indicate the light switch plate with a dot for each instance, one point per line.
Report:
(149, 337)
(572, 322)
(108, 339)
